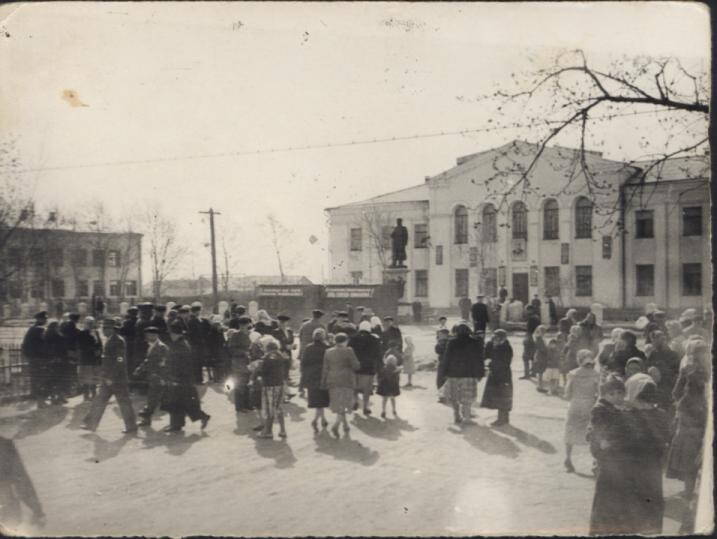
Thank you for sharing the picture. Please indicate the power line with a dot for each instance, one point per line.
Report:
(360, 142)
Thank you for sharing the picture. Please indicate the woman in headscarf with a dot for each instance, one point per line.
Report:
(590, 334)
(635, 378)
(462, 367)
(58, 362)
(312, 365)
(645, 446)
(582, 391)
(377, 328)
(690, 396)
(339, 378)
(498, 393)
(569, 320)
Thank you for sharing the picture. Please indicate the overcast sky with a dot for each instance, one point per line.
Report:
(177, 81)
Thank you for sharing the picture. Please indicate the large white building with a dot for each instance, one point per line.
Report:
(485, 223)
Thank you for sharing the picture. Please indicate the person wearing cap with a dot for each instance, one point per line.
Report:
(479, 314)
(582, 391)
(625, 349)
(195, 334)
(368, 351)
(89, 345)
(238, 346)
(114, 381)
(460, 368)
(263, 324)
(140, 347)
(217, 357)
(344, 325)
(667, 362)
(158, 321)
(33, 348)
(181, 396)
(306, 337)
(392, 336)
(285, 335)
(70, 332)
(128, 332)
(154, 369)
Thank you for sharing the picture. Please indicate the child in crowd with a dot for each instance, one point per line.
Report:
(442, 336)
(570, 352)
(272, 369)
(442, 325)
(409, 366)
(540, 357)
(388, 383)
(552, 369)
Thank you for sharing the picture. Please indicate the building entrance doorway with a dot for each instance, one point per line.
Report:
(520, 287)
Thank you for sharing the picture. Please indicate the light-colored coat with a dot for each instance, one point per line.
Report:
(340, 366)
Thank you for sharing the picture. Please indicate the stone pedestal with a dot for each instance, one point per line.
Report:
(397, 276)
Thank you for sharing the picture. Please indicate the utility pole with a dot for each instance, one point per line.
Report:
(215, 293)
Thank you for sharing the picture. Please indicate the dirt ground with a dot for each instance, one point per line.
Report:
(415, 475)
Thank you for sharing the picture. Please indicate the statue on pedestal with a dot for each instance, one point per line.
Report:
(399, 240)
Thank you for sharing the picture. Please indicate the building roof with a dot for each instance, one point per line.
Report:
(678, 168)
(417, 193)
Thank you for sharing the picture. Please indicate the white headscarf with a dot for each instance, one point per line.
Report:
(376, 321)
(635, 384)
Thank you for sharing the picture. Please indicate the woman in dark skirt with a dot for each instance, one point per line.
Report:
(498, 394)
(312, 365)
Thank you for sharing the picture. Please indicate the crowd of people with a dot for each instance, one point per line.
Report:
(642, 411)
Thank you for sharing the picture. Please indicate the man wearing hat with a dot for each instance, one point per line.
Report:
(479, 313)
(140, 344)
(160, 323)
(306, 337)
(128, 332)
(238, 345)
(154, 368)
(196, 337)
(344, 325)
(33, 348)
(114, 381)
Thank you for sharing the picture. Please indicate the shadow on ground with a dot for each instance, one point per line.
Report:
(486, 440)
(345, 449)
(389, 429)
(177, 443)
(37, 421)
(528, 439)
(278, 450)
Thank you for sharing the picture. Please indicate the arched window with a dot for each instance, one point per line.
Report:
(583, 218)
(490, 228)
(520, 221)
(460, 218)
(550, 220)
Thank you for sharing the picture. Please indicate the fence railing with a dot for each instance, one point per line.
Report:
(14, 373)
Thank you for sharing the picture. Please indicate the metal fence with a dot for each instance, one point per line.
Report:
(14, 373)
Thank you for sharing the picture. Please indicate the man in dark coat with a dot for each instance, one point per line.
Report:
(114, 381)
(368, 351)
(154, 366)
(195, 337)
(552, 311)
(128, 332)
(528, 343)
(537, 304)
(158, 321)
(181, 397)
(625, 349)
(667, 362)
(399, 238)
(285, 335)
(33, 348)
(498, 393)
(343, 325)
(140, 346)
(238, 346)
(479, 313)
(392, 336)
(502, 294)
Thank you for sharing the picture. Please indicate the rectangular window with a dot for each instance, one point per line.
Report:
(356, 276)
(356, 239)
(461, 288)
(583, 281)
(98, 258)
(461, 228)
(115, 289)
(552, 281)
(98, 288)
(83, 289)
(692, 221)
(421, 283)
(490, 282)
(37, 257)
(607, 247)
(37, 290)
(439, 255)
(113, 259)
(691, 279)
(58, 288)
(79, 257)
(565, 253)
(644, 224)
(55, 256)
(130, 288)
(551, 224)
(645, 280)
(386, 237)
(420, 235)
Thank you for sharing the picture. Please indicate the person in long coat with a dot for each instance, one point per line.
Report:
(339, 378)
(479, 314)
(33, 349)
(667, 362)
(306, 337)
(238, 347)
(690, 396)
(89, 346)
(115, 381)
(462, 367)
(368, 351)
(58, 362)
(582, 392)
(312, 365)
(498, 393)
(155, 366)
(181, 398)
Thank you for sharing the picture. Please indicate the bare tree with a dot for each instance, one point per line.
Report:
(163, 245)
(573, 99)
(377, 223)
(279, 234)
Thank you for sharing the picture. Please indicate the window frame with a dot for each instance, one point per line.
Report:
(551, 220)
(460, 225)
(641, 287)
(423, 281)
(587, 275)
(489, 218)
(82, 285)
(356, 240)
(519, 227)
(694, 218)
(583, 218)
(423, 236)
(698, 287)
(130, 288)
(54, 288)
(641, 233)
(547, 284)
(464, 273)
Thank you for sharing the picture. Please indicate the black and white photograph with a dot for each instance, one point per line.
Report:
(290, 269)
